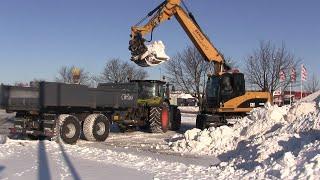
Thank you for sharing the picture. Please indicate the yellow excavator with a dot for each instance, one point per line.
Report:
(226, 96)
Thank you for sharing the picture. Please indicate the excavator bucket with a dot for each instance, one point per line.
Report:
(148, 55)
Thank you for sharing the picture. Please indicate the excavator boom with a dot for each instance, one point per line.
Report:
(226, 96)
(163, 12)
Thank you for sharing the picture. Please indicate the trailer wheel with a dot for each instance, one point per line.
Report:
(68, 129)
(159, 118)
(176, 124)
(96, 127)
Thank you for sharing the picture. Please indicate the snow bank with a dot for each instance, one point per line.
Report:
(272, 142)
(312, 97)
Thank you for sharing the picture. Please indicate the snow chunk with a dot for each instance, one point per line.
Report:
(209, 140)
(155, 55)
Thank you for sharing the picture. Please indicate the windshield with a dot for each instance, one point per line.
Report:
(212, 87)
(150, 90)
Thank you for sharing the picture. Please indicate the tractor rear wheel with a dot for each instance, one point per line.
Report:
(159, 118)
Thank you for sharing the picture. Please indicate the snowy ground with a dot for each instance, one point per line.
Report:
(271, 143)
(134, 155)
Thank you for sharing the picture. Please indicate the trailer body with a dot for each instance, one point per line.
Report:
(44, 110)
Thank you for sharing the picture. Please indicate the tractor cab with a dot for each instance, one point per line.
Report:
(151, 92)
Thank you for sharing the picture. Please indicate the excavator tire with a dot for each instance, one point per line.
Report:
(176, 123)
(201, 122)
(67, 129)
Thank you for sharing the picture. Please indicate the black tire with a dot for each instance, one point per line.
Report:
(155, 119)
(96, 127)
(68, 129)
(32, 137)
(176, 123)
(201, 122)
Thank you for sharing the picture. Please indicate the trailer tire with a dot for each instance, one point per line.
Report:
(176, 123)
(68, 129)
(96, 127)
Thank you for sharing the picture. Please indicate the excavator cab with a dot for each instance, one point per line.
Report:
(223, 88)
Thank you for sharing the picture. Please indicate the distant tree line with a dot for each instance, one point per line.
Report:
(188, 71)
(115, 70)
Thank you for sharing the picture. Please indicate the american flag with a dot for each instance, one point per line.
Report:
(293, 75)
(304, 73)
(282, 76)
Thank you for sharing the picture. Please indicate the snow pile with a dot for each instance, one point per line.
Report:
(312, 97)
(215, 141)
(208, 141)
(271, 142)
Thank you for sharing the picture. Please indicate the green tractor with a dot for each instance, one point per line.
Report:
(152, 110)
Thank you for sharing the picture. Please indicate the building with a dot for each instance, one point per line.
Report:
(284, 97)
(182, 99)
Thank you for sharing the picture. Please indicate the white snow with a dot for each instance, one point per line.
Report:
(272, 142)
(189, 109)
(185, 96)
(155, 55)
(312, 97)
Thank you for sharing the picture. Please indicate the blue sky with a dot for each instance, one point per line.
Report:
(39, 36)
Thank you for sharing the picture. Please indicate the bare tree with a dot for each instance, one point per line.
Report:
(313, 84)
(116, 70)
(263, 66)
(188, 71)
(35, 82)
(65, 75)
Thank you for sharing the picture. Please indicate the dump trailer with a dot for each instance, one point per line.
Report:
(61, 111)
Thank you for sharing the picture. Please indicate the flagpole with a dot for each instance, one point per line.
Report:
(301, 89)
(290, 93)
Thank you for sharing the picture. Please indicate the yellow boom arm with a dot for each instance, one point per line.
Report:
(164, 12)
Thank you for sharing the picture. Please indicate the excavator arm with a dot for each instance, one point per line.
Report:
(163, 12)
